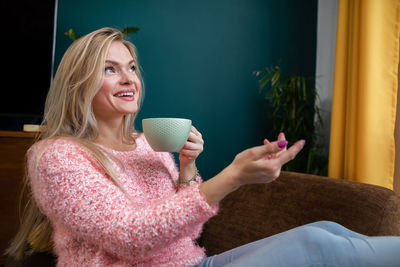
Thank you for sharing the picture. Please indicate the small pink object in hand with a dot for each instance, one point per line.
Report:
(282, 143)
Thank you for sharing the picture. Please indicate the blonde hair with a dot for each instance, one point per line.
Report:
(68, 113)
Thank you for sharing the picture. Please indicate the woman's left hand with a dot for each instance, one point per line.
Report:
(192, 148)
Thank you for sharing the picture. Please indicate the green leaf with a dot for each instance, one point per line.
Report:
(310, 160)
(71, 34)
(263, 83)
(129, 30)
(275, 78)
(303, 87)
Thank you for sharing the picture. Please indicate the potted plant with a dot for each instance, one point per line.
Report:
(293, 110)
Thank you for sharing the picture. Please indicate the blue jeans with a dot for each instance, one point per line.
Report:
(317, 244)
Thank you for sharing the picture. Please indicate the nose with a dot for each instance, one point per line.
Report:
(127, 77)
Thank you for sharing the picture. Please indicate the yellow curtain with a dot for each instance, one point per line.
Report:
(365, 91)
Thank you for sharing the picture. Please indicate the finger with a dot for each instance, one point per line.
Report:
(192, 146)
(195, 131)
(291, 153)
(269, 156)
(281, 136)
(195, 138)
(261, 151)
(189, 153)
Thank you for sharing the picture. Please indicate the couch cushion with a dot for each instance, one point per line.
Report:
(257, 211)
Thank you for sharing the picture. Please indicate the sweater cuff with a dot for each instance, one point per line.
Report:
(212, 210)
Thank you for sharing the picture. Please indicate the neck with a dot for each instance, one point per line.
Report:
(111, 135)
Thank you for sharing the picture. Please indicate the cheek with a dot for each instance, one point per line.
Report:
(138, 84)
(98, 101)
(106, 87)
(102, 94)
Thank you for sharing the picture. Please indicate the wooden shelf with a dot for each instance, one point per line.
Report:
(13, 147)
(18, 134)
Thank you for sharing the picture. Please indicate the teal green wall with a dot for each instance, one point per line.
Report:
(198, 59)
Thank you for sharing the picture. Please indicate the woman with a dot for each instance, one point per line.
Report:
(105, 198)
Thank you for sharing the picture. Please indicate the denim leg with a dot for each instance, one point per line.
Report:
(317, 244)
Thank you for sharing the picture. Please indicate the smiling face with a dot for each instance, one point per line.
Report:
(119, 93)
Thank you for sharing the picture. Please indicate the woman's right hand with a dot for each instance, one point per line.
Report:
(261, 164)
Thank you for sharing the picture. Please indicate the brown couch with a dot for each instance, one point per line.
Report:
(257, 211)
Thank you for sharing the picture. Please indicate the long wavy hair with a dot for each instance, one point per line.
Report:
(69, 114)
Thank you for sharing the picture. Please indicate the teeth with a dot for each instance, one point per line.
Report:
(125, 94)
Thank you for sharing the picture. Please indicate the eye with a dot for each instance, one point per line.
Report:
(109, 70)
(132, 68)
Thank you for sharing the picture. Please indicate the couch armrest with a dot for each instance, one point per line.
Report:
(257, 211)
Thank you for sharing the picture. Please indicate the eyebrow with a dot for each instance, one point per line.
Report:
(116, 63)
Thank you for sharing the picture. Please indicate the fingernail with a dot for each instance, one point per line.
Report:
(303, 142)
(266, 140)
(282, 144)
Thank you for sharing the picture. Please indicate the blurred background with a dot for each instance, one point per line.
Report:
(198, 60)
(337, 62)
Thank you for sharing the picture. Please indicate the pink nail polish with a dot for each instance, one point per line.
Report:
(282, 144)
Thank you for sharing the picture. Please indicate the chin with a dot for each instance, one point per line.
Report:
(129, 112)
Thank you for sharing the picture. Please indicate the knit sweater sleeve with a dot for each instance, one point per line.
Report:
(169, 161)
(77, 196)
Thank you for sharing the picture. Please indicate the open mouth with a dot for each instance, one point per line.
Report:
(125, 94)
(128, 95)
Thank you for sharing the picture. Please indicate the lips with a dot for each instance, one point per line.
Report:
(128, 95)
(124, 94)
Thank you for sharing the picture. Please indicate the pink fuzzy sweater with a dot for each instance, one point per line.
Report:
(96, 224)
